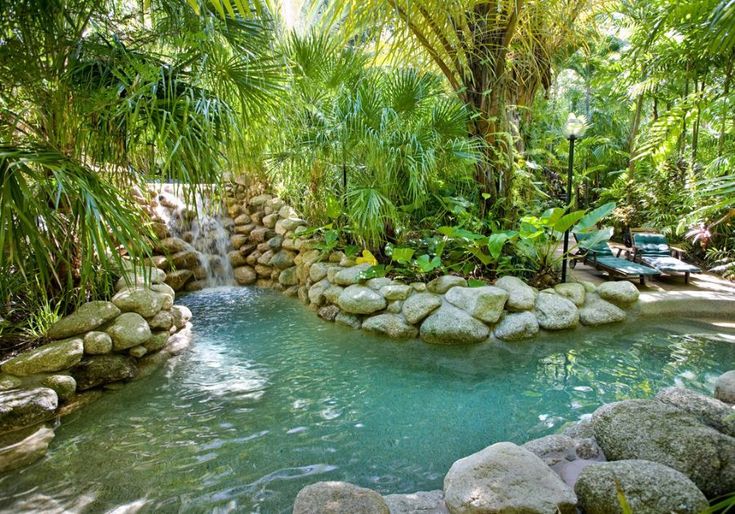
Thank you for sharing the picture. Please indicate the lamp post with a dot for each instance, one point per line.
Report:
(574, 129)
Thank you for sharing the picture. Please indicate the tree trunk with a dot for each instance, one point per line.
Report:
(725, 103)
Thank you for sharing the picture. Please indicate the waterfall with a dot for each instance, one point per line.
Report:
(204, 227)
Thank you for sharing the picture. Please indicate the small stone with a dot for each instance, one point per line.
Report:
(419, 306)
(181, 315)
(64, 385)
(316, 292)
(441, 285)
(422, 502)
(288, 277)
(164, 320)
(331, 294)
(157, 341)
(552, 449)
(338, 498)
(178, 279)
(128, 330)
(282, 259)
(318, 271)
(137, 351)
(391, 325)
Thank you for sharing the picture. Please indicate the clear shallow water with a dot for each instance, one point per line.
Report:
(270, 398)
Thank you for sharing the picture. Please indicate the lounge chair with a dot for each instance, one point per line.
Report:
(652, 249)
(599, 256)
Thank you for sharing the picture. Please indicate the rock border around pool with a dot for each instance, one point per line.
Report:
(99, 346)
(668, 454)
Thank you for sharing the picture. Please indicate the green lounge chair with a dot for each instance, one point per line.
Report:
(600, 257)
(652, 249)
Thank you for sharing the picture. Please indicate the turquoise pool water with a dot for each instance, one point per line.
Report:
(271, 398)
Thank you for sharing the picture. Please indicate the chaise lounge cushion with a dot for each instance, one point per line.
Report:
(669, 264)
(651, 244)
(625, 267)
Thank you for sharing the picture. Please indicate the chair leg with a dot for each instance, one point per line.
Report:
(643, 280)
(686, 277)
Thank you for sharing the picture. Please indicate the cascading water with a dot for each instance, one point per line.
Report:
(204, 227)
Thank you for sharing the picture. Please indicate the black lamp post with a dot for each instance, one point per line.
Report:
(573, 130)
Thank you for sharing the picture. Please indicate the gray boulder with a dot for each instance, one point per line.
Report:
(128, 330)
(725, 387)
(357, 299)
(20, 408)
(484, 303)
(555, 312)
(391, 325)
(24, 447)
(441, 285)
(87, 317)
(142, 300)
(97, 343)
(349, 276)
(655, 431)
(516, 326)
(422, 502)
(709, 411)
(572, 291)
(338, 498)
(103, 369)
(597, 311)
(505, 478)
(621, 293)
(521, 296)
(64, 385)
(420, 305)
(450, 325)
(648, 487)
(47, 358)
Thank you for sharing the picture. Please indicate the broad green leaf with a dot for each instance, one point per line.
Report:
(567, 221)
(402, 255)
(474, 282)
(374, 271)
(594, 216)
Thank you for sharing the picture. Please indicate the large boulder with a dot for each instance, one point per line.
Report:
(391, 325)
(516, 326)
(420, 305)
(555, 312)
(725, 387)
(573, 291)
(450, 325)
(338, 498)
(47, 358)
(245, 275)
(357, 299)
(597, 311)
(176, 280)
(422, 502)
(103, 369)
(655, 431)
(484, 303)
(24, 447)
(648, 487)
(621, 293)
(142, 300)
(349, 276)
(521, 296)
(441, 285)
(506, 479)
(87, 317)
(128, 330)
(20, 408)
(709, 411)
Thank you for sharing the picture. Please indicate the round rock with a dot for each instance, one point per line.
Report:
(128, 330)
(450, 325)
(338, 498)
(555, 312)
(621, 293)
(725, 387)
(357, 299)
(521, 296)
(516, 326)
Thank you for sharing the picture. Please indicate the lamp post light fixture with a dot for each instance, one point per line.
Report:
(574, 129)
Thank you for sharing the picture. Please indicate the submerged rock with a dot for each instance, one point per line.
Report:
(484, 303)
(338, 498)
(505, 478)
(655, 431)
(21, 408)
(24, 447)
(648, 487)
(521, 296)
(87, 317)
(450, 325)
(391, 325)
(516, 326)
(50, 357)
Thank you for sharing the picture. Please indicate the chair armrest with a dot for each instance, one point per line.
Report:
(677, 252)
